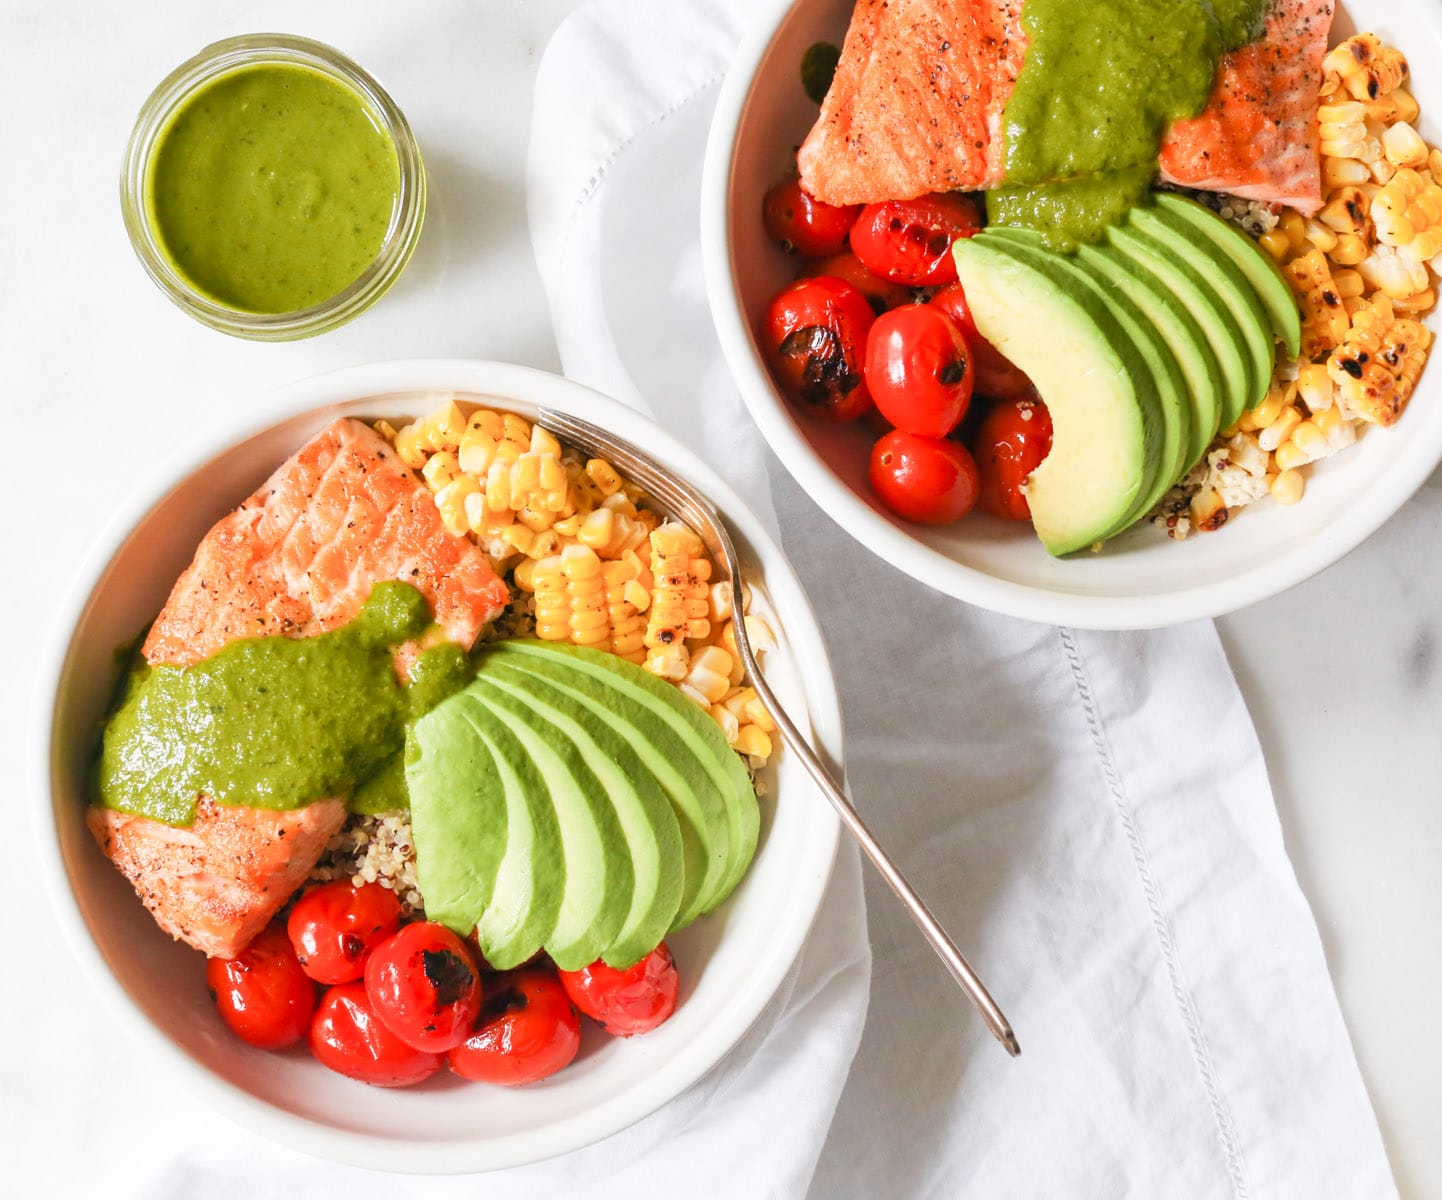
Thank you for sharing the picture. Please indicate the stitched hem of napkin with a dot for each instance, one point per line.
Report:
(598, 174)
(1161, 921)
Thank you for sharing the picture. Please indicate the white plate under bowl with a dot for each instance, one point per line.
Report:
(1140, 579)
(730, 962)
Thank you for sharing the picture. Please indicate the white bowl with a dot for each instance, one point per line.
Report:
(1140, 579)
(730, 962)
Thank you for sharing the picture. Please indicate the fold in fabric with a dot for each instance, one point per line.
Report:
(1088, 813)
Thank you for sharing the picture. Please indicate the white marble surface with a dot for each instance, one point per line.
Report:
(98, 374)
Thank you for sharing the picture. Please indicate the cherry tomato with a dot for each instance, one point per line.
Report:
(527, 1030)
(909, 241)
(924, 479)
(1013, 438)
(995, 376)
(918, 369)
(423, 984)
(635, 1000)
(262, 993)
(881, 293)
(348, 1037)
(816, 334)
(334, 926)
(803, 224)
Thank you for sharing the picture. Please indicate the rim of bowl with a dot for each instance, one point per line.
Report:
(1291, 566)
(407, 213)
(334, 390)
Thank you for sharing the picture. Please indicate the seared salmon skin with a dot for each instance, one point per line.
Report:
(917, 105)
(297, 558)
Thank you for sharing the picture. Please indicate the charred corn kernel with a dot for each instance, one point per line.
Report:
(1287, 487)
(710, 673)
(1314, 385)
(1398, 105)
(1279, 430)
(1324, 319)
(1398, 275)
(1275, 243)
(597, 529)
(385, 429)
(1288, 458)
(719, 606)
(1349, 250)
(1365, 67)
(1344, 172)
(1345, 212)
(1404, 146)
(451, 504)
(754, 742)
(604, 476)
(1348, 283)
(544, 442)
(1320, 236)
(1207, 510)
(1294, 227)
(440, 469)
(1418, 303)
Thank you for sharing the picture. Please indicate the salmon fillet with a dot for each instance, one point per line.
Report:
(917, 102)
(1257, 137)
(297, 558)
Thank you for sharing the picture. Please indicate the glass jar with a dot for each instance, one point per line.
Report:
(154, 124)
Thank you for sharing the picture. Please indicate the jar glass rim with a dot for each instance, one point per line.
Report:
(211, 63)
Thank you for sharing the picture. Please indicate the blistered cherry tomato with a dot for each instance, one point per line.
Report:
(635, 1000)
(527, 1029)
(918, 369)
(1013, 438)
(262, 993)
(423, 984)
(995, 376)
(803, 224)
(909, 241)
(348, 1037)
(816, 335)
(334, 926)
(928, 480)
(881, 293)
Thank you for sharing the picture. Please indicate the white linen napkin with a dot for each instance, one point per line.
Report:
(1088, 813)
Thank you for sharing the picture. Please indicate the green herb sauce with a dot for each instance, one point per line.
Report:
(1101, 82)
(278, 722)
(818, 68)
(272, 188)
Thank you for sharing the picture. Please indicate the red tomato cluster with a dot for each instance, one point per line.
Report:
(402, 1000)
(878, 325)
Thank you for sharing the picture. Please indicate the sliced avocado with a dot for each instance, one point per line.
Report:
(531, 881)
(598, 871)
(1186, 242)
(1106, 423)
(1198, 297)
(646, 817)
(1170, 384)
(1255, 263)
(459, 815)
(1206, 387)
(633, 685)
(678, 766)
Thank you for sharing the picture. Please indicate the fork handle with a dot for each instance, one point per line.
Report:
(930, 927)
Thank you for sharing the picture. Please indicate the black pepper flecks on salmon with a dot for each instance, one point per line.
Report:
(917, 101)
(297, 558)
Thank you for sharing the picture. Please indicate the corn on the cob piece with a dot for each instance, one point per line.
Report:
(439, 430)
(1407, 213)
(1375, 368)
(681, 572)
(1365, 67)
(1324, 318)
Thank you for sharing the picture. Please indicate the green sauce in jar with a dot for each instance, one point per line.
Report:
(272, 187)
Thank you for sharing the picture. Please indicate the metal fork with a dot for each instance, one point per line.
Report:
(684, 502)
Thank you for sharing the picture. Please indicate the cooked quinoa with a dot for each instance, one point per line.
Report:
(374, 849)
